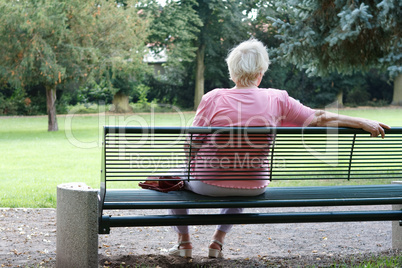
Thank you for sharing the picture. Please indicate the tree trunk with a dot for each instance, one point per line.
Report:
(121, 103)
(51, 108)
(339, 98)
(338, 102)
(199, 76)
(397, 99)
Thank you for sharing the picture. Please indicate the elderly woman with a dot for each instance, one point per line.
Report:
(248, 105)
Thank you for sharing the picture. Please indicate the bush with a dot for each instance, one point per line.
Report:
(176, 87)
(88, 108)
(357, 96)
(153, 107)
(18, 104)
(95, 93)
(142, 105)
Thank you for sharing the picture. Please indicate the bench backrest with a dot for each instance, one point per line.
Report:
(132, 154)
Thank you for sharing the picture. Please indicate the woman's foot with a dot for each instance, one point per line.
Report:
(182, 249)
(215, 249)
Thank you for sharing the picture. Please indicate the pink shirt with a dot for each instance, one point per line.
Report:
(248, 108)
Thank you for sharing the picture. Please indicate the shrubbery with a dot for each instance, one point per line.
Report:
(161, 94)
(17, 104)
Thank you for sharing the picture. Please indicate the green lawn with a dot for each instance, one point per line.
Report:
(34, 161)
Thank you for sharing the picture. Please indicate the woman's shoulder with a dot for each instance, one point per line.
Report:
(273, 92)
(215, 92)
(218, 90)
(276, 92)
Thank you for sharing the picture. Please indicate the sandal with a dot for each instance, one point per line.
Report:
(182, 252)
(215, 253)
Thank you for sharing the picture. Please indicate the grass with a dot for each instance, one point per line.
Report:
(34, 161)
(373, 262)
(393, 260)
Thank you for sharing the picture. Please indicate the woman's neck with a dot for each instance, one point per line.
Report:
(254, 84)
(245, 87)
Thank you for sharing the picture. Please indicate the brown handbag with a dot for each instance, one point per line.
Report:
(163, 184)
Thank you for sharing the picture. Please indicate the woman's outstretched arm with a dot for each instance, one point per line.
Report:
(328, 119)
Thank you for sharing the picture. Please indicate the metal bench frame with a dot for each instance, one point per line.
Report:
(306, 154)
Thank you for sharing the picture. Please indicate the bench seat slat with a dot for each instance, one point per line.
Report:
(247, 218)
(273, 197)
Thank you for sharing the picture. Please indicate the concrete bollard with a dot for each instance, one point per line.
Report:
(77, 226)
(396, 228)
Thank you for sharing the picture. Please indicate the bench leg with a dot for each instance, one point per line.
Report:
(396, 227)
(77, 226)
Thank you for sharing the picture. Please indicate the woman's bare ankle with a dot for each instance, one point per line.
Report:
(184, 241)
(218, 236)
(215, 245)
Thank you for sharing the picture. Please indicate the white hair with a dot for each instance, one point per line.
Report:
(247, 61)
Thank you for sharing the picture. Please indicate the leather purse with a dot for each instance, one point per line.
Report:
(163, 184)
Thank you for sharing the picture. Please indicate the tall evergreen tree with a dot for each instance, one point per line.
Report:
(53, 42)
(224, 25)
(343, 36)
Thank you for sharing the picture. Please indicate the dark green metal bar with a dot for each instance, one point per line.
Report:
(288, 196)
(253, 203)
(236, 130)
(189, 157)
(271, 166)
(252, 218)
(102, 190)
(351, 155)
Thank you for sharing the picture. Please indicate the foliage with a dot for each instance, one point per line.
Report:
(17, 104)
(176, 87)
(126, 84)
(153, 107)
(314, 91)
(72, 44)
(95, 93)
(142, 92)
(52, 43)
(226, 23)
(340, 35)
(317, 92)
(208, 28)
(87, 108)
(174, 27)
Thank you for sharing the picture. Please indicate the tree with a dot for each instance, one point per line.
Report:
(55, 42)
(200, 32)
(341, 35)
(225, 24)
(174, 27)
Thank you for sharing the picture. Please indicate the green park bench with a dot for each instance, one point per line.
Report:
(320, 155)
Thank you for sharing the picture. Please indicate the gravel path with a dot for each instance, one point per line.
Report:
(28, 239)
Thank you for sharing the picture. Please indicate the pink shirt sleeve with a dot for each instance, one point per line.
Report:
(296, 114)
(204, 111)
